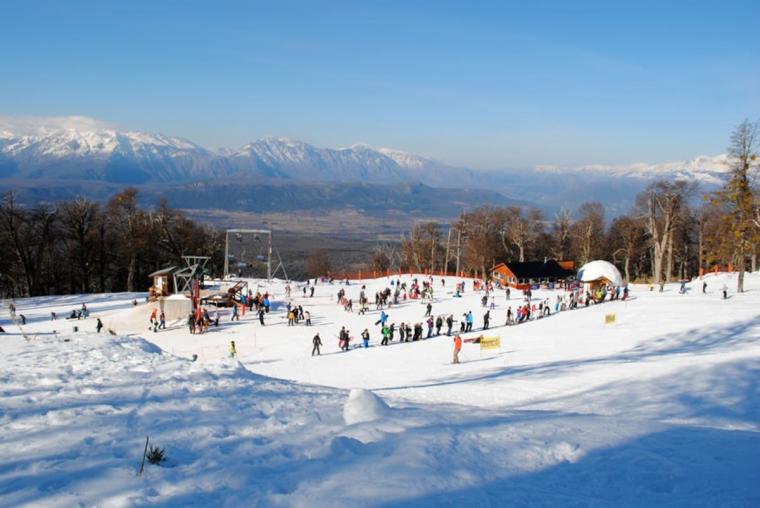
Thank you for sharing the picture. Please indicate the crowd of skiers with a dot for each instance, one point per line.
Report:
(434, 326)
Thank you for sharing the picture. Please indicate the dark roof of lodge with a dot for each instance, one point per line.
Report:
(537, 270)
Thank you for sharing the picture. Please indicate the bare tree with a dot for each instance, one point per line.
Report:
(318, 263)
(481, 228)
(588, 230)
(627, 236)
(29, 233)
(659, 205)
(521, 229)
(560, 233)
(129, 223)
(385, 257)
(423, 247)
(80, 221)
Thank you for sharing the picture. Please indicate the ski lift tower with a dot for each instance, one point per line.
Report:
(194, 269)
(240, 234)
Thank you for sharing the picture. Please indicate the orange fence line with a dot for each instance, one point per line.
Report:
(374, 274)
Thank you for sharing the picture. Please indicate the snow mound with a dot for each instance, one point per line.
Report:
(597, 270)
(344, 446)
(364, 406)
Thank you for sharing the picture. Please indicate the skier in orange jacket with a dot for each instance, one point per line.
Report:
(457, 348)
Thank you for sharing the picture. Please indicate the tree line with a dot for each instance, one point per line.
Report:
(81, 246)
(671, 232)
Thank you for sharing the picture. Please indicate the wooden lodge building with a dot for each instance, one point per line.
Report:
(525, 274)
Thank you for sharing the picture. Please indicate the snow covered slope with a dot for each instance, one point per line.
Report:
(658, 409)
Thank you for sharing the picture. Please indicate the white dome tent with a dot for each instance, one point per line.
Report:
(600, 272)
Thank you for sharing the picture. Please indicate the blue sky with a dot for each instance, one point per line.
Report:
(479, 84)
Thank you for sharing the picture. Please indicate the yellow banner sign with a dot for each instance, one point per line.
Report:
(490, 343)
(609, 319)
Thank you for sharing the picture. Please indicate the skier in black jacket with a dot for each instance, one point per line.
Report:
(317, 342)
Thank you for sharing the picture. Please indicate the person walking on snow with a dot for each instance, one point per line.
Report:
(233, 350)
(235, 312)
(99, 325)
(383, 318)
(725, 291)
(291, 318)
(386, 332)
(469, 319)
(457, 348)
(486, 319)
(704, 287)
(365, 337)
(317, 342)
(429, 309)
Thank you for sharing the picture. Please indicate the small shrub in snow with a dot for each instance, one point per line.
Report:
(156, 455)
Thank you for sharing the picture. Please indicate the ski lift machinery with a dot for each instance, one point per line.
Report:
(194, 269)
(257, 233)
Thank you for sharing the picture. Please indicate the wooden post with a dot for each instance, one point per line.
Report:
(145, 452)
(459, 245)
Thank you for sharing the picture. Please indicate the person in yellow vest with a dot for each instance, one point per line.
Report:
(291, 318)
(233, 350)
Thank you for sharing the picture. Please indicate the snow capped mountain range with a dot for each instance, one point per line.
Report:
(87, 154)
(705, 169)
(102, 153)
(138, 157)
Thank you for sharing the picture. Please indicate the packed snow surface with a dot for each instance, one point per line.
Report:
(659, 408)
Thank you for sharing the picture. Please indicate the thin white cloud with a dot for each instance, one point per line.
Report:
(28, 125)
